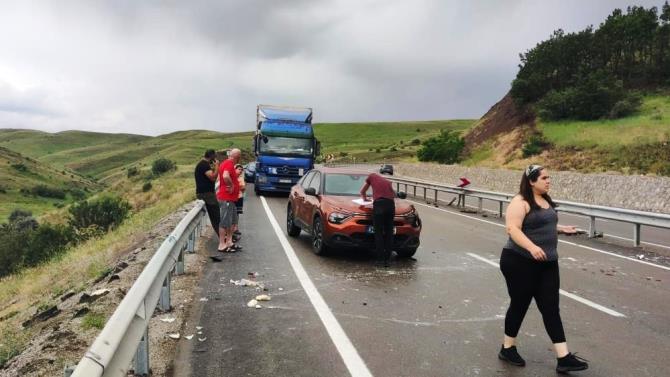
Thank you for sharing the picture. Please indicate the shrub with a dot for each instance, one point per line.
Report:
(393, 149)
(48, 192)
(535, 145)
(343, 154)
(46, 242)
(416, 142)
(625, 107)
(377, 150)
(106, 213)
(162, 165)
(3, 190)
(146, 186)
(132, 171)
(18, 214)
(22, 220)
(445, 148)
(77, 194)
(20, 167)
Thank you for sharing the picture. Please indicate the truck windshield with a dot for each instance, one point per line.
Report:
(344, 184)
(286, 146)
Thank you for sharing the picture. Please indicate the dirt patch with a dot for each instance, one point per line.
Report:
(62, 339)
(502, 118)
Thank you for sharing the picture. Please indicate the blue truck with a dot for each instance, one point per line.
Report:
(284, 145)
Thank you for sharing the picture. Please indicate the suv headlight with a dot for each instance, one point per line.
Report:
(338, 218)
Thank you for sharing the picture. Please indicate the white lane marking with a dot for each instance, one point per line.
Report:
(562, 241)
(561, 291)
(350, 356)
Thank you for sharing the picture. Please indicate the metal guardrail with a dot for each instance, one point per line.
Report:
(125, 337)
(637, 218)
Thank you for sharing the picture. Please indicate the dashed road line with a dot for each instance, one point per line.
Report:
(350, 356)
(573, 296)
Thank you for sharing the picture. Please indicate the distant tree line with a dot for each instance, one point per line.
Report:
(593, 74)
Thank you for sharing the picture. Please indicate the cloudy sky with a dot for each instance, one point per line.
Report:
(154, 67)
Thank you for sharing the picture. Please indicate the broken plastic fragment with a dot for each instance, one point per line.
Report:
(167, 320)
(174, 336)
(189, 337)
(198, 327)
(204, 299)
(202, 339)
(263, 298)
(258, 306)
(252, 303)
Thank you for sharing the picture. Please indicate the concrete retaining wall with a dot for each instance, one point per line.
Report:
(644, 193)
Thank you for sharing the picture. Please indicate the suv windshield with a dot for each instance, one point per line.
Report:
(344, 184)
(286, 146)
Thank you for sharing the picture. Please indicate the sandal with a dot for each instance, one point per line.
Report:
(236, 248)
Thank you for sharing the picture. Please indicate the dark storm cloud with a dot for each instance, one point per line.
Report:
(155, 66)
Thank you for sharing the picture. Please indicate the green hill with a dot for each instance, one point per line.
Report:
(33, 185)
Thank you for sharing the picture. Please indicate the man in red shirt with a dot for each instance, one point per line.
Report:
(229, 190)
(383, 211)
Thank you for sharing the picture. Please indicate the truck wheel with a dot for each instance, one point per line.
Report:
(318, 246)
(257, 191)
(406, 253)
(292, 229)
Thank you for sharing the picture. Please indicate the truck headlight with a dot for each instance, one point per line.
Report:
(301, 171)
(338, 218)
(272, 170)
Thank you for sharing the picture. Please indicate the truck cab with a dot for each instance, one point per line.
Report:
(285, 147)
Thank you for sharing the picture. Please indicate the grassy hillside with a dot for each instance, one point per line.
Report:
(19, 173)
(637, 144)
(650, 125)
(380, 141)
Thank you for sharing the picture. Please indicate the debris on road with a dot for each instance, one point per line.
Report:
(202, 339)
(252, 304)
(167, 319)
(640, 256)
(263, 298)
(204, 299)
(174, 336)
(189, 337)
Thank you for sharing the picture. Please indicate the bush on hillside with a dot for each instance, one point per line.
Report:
(534, 146)
(48, 192)
(132, 171)
(77, 194)
(22, 220)
(162, 165)
(445, 148)
(106, 213)
(146, 186)
(20, 167)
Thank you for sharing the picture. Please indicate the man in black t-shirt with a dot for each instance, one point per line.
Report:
(205, 176)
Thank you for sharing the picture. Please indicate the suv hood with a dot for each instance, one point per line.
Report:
(345, 203)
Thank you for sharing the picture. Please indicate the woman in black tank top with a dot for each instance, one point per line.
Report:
(529, 263)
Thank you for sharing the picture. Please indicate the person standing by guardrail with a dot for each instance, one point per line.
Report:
(529, 263)
(383, 211)
(227, 195)
(205, 176)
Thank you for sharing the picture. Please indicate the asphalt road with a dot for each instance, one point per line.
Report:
(438, 315)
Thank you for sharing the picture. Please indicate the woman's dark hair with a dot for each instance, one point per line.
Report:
(210, 153)
(531, 174)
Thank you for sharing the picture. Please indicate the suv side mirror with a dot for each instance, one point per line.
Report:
(310, 191)
(401, 195)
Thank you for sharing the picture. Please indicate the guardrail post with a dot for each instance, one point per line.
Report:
(164, 301)
(203, 225)
(141, 360)
(592, 227)
(68, 370)
(636, 235)
(424, 194)
(500, 207)
(480, 204)
(179, 267)
(435, 198)
(461, 201)
(415, 191)
(190, 244)
(397, 186)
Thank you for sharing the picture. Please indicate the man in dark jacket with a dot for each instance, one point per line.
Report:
(205, 176)
(383, 211)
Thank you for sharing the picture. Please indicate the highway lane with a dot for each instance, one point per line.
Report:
(441, 314)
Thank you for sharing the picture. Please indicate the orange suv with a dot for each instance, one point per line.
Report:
(322, 204)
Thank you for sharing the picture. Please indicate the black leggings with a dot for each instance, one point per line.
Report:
(527, 279)
(383, 211)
